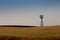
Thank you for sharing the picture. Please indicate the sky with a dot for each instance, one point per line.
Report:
(27, 12)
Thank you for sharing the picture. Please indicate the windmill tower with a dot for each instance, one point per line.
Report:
(41, 16)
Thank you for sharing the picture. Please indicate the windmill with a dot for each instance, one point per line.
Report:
(41, 16)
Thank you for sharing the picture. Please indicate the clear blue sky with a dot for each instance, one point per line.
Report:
(27, 12)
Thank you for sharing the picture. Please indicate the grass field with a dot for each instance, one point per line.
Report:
(30, 33)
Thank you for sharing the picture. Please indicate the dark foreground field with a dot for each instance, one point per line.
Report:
(26, 38)
(30, 33)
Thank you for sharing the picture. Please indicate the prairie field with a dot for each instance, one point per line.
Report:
(30, 33)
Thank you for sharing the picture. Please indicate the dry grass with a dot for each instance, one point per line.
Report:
(31, 33)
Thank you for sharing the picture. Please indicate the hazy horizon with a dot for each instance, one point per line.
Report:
(27, 12)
